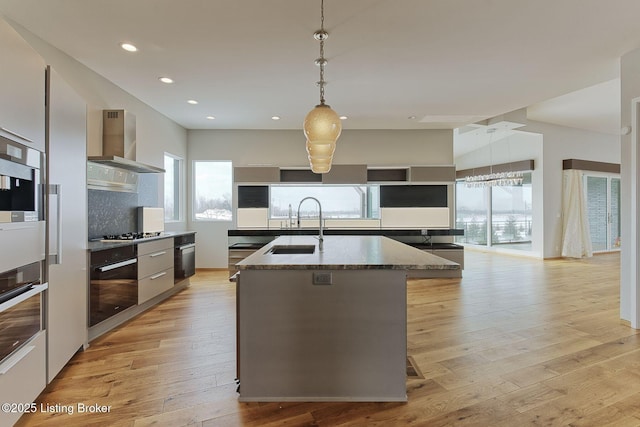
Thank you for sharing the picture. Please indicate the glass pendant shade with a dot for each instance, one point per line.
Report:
(321, 150)
(320, 168)
(322, 127)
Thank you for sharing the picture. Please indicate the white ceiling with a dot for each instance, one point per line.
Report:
(446, 63)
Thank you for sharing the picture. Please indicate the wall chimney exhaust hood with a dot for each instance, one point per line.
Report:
(119, 143)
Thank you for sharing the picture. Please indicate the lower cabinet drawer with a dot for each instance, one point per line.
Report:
(23, 381)
(155, 284)
(154, 262)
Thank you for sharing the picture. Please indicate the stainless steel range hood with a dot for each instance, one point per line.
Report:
(119, 143)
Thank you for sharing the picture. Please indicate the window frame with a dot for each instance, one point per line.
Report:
(178, 188)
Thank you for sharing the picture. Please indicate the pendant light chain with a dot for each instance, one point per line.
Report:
(322, 60)
(322, 125)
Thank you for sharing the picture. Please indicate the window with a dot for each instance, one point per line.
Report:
(471, 213)
(495, 216)
(172, 187)
(511, 214)
(338, 201)
(212, 189)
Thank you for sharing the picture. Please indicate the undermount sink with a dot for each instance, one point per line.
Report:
(292, 249)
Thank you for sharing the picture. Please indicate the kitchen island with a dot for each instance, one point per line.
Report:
(326, 325)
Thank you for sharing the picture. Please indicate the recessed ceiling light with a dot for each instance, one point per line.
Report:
(211, 117)
(192, 101)
(166, 80)
(411, 117)
(275, 117)
(128, 47)
(343, 117)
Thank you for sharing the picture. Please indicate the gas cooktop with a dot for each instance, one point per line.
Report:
(127, 237)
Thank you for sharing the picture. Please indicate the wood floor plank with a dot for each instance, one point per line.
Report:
(515, 342)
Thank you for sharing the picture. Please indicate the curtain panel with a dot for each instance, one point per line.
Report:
(576, 238)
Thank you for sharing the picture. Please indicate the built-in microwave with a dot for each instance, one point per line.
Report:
(21, 195)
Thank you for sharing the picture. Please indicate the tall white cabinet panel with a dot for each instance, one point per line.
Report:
(67, 225)
(22, 88)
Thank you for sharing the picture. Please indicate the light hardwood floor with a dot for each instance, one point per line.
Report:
(515, 342)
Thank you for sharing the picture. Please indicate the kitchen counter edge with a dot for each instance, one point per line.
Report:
(346, 232)
(94, 246)
(347, 253)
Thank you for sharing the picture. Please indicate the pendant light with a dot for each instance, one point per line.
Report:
(322, 126)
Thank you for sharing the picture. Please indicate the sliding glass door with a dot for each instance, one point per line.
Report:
(500, 216)
(603, 210)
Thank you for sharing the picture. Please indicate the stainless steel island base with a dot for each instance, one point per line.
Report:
(342, 338)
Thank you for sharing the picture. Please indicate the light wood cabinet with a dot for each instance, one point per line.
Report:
(22, 86)
(155, 268)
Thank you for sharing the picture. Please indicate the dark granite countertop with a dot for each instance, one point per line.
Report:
(422, 246)
(345, 232)
(96, 245)
(346, 253)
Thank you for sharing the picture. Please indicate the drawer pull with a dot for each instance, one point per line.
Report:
(156, 276)
(117, 265)
(13, 360)
(157, 254)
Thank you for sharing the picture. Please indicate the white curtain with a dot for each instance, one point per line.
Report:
(576, 239)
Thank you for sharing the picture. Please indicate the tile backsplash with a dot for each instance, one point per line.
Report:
(113, 212)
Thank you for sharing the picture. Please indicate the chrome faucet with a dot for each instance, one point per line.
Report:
(320, 237)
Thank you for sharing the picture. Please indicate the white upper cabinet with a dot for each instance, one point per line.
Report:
(22, 90)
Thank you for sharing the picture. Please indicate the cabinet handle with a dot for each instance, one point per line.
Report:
(35, 289)
(156, 276)
(117, 265)
(24, 138)
(13, 360)
(56, 190)
(157, 254)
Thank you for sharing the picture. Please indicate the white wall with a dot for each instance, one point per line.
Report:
(559, 143)
(568, 143)
(155, 132)
(630, 89)
(287, 148)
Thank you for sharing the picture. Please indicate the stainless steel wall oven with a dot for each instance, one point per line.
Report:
(184, 257)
